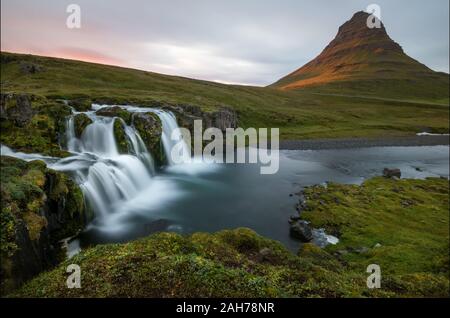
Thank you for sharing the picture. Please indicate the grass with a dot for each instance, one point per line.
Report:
(298, 114)
(409, 218)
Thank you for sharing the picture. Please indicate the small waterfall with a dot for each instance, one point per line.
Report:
(171, 135)
(114, 184)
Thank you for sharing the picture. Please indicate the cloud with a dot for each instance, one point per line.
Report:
(250, 42)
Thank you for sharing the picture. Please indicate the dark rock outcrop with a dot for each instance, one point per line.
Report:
(81, 121)
(39, 207)
(16, 108)
(392, 173)
(30, 68)
(120, 136)
(115, 111)
(80, 104)
(150, 129)
(301, 230)
(224, 117)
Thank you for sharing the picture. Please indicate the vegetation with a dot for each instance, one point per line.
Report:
(298, 114)
(409, 218)
(38, 205)
(401, 225)
(41, 132)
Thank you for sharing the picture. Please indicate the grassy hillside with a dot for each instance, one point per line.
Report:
(298, 115)
(239, 263)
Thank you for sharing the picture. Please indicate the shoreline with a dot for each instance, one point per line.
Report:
(348, 143)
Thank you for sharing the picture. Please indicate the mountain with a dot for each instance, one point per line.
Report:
(365, 61)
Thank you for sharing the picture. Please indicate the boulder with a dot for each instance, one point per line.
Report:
(149, 128)
(115, 111)
(30, 68)
(392, 173)
(80, 104)
(301, 230)
(16, 108)
(81, 121)
(121, 137)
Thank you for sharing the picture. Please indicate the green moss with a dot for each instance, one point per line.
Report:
(150, 129)
(408, 219)
(44, 131)
(81, 121)
(121, 137)
(34, 223)
(36, 202)
(115, 111)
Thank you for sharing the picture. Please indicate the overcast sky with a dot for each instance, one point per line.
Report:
(232, 41)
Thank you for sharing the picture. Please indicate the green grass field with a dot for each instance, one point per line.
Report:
(298, 114)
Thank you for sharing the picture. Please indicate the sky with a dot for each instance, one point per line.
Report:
(250, 42)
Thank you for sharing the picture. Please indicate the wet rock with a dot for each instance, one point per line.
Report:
(115, 111)
(301, 230)
(322, 239)
(81, 121)
(121, 137)
(39, 208)
(222, 119)
(80, 104)
(150, 129)
(17, 108)
(392, 173)
(293, 219)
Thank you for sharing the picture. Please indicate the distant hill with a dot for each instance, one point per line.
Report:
(363, 61)
(299, 114)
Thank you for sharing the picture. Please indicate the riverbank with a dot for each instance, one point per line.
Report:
(401, 225)
(347, 143)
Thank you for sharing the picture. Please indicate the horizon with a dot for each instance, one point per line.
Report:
(250, 52)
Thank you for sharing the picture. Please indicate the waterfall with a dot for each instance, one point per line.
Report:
(113, 184)
(171, 135)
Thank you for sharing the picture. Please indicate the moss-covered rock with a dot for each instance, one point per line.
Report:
(41, 132)
(81, 104)
(121, 137)
(39, 207)
(150, 129)
(81, 121)
(115, 111)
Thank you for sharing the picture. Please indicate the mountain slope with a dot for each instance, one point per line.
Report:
(364, 61)
(298, 114)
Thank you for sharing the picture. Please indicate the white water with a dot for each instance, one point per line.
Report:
(114, 184)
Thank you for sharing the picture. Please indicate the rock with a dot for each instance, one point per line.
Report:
(377, 245)
(121, 137)
(39, 208)
(30, 68)
(293, 219)
(301, 230)
(81, 121)
(322, 239)
(342, 252)
(150, 129)
(16, 108)
(80, 104)
(361, 250)
(115, 111)
(222, 119)
(391, 173)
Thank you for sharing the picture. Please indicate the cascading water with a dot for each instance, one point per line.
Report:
(114, 184)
